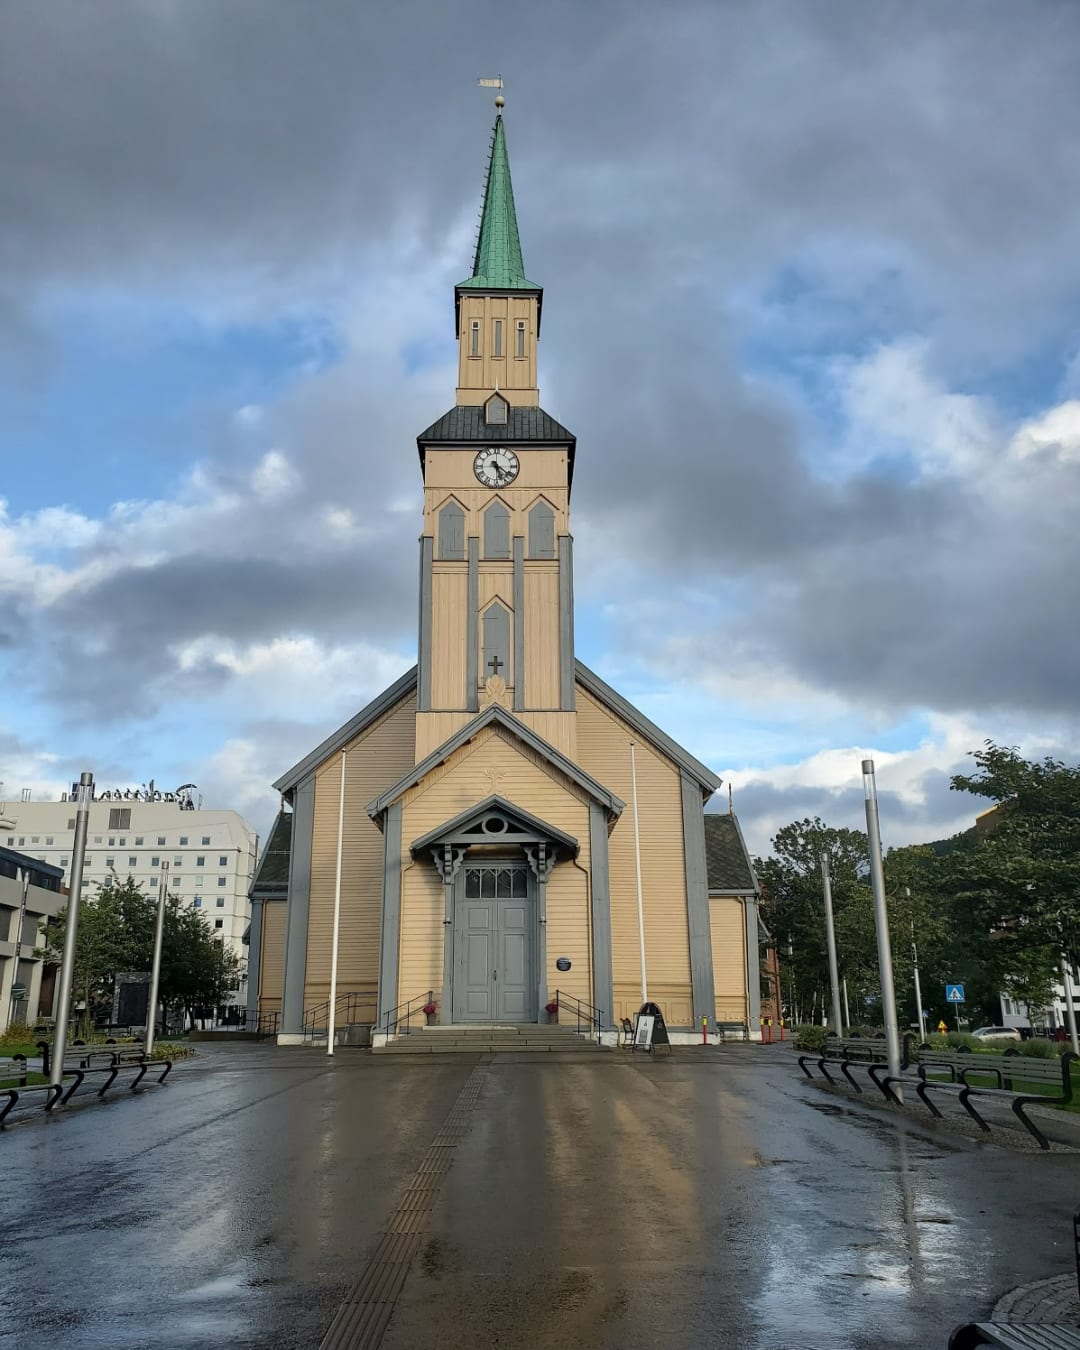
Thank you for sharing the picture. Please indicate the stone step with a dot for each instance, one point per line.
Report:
(408, 1046)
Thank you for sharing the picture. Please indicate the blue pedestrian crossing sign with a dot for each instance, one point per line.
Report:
(954, 993)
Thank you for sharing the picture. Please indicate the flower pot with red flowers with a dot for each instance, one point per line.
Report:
(429, 1010)
(552, 1010)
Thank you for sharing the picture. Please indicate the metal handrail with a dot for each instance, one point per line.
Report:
(404, 1013)
(584, 1012)
(266, 1024)
(345, 1005)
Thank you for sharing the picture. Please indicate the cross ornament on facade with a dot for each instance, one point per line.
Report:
(495, 665)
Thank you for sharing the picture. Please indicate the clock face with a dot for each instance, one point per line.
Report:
(496, 467)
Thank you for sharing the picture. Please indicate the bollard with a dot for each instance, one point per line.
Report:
(781, 1028)
(704, 1032)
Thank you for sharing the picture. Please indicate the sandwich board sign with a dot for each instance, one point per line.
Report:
(954, 993)
(643, 1032)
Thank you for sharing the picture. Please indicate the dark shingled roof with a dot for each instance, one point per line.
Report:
(272, 878)
(726, 856)
(467, 425)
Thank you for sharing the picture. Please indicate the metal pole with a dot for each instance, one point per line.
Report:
(67, 961)
(881, 922)
(847, 1011)
(830, 939)
(915, 966)
(24, 875)
(330, 1020)
(1070, 1008)
(637, 864)
(155, 969)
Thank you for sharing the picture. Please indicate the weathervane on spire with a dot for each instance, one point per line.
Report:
(496, 83)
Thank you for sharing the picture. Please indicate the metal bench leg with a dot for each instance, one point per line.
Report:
(108, 1081)
(12, 1098)
(1018, 1107)
(845, 1069)
(965, 1101)
(920, 1090)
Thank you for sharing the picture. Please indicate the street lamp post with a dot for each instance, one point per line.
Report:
(71, 932)
(830, 939)
(881, 922)
(155, 970)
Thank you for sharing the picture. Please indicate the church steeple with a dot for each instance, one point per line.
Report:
(497, 263)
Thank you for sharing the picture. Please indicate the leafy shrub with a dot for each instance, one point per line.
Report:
(1038, 1047)
(810, 1037)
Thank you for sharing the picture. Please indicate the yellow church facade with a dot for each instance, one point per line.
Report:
(500, 830)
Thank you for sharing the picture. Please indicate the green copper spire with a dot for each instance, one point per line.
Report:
(498, 265)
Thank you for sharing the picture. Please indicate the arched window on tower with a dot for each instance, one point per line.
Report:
(541, 531)
(452, 531)
(496, 654)
(496, 531)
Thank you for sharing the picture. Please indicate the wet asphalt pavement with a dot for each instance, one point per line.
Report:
(680, 1202)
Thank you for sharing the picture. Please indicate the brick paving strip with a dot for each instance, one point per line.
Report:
(1053, 1300)
(362, 1319)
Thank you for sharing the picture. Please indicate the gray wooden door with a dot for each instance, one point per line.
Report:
(493, 967)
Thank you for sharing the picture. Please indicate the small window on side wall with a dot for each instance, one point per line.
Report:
(498, 337)
(541, 531)
(520, 338)
(474, 338)
(452, 531)
(496, 411)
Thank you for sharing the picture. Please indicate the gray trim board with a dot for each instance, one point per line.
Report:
(390, 929)
(497, 714)
(344, 734)
(519, 623)
(697, 901)
(649, 730)
(753, 964)
(567, 701)
(600, 892)
(449, 831)
(472, 626)
(254, 955)
(423, 690)
(296, 915)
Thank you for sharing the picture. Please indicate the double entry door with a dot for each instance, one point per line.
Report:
(493, 944)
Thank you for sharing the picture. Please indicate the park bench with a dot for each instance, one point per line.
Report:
(1012, 1079)
(63, 1092)
(862, 1051)
(736, 1030)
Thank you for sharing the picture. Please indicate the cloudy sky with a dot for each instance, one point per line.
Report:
(812, 289)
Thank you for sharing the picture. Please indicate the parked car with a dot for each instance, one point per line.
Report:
(997, 1034)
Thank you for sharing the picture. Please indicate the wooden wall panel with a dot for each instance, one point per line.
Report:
(728, 923)
(568, 929)
(603, 751)
(420, 960)
(449, 592)
(559, 729)
(432, 729)
(272, 956)
(376, 759)
(542, 635)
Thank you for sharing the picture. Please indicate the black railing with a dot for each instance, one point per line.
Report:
(266, 1025)
(398, 1020)
(358, 1005)
(584, 1013)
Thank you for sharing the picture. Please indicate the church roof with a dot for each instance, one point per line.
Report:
(497, 715)
(497, 263)
(522, 424)
(729, 867)
(272, 874)
(648, 731)
(344, 734)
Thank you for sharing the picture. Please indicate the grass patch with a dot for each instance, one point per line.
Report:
(32, 1080)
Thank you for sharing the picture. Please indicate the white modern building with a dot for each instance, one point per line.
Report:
(1019, 1015)
(24, 997)
(210, 854)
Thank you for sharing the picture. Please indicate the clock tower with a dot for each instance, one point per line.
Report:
(496, 554)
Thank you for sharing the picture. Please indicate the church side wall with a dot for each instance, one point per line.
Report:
(542, 635)
(448, 591)
(272, 960)
(494, 764)
(728, 923)
(604, 751)
(380, 755)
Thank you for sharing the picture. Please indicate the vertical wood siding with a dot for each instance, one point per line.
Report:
(377, 758)
(448, 600)
(728, 922)
(432, 729)
(603, 751)
(420, 955)
(568, 928)
(542, 635)
(272, 956)
(559, 729)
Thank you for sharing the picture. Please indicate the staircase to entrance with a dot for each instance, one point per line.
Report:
(471, 1038)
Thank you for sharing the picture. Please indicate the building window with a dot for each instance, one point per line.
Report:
(97, 839)
(541, 531)
(197, 902)
(48, 838)
(219, 923)
(122, 842)
(36, 839)
(474, 338)
(112, 842)
(205, 839)
(521, 337)
(63, 862)
(183, 840)
(198, 881)
(178, 861)
(496, 411)
(71, 823)
(133, 862)
(452, 531)
(22, 839)
(177, 879)
(200, 861)
(221, 902)
(222, 880)
(496, 643)
(120, 818)
(138, 840)
(155, 862)
(223, 860)
(496, 531)
(110, 862)
(11, 841)
(498, 337)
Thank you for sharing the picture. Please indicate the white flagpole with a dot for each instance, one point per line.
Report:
(637, 865)
(337, 914)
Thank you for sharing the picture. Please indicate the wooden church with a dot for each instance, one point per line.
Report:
(500, 830)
